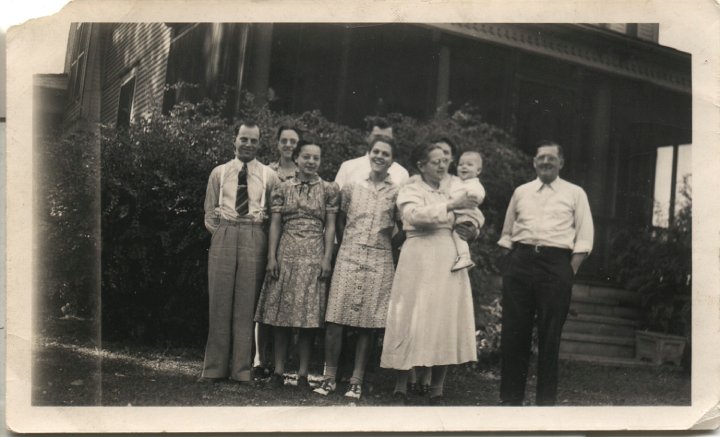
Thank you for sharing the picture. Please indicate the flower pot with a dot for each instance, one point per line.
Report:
(659, 348)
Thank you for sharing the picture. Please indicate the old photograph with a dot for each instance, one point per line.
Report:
(457, 221)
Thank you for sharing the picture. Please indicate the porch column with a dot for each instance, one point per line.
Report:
(599, 148)
(260, 64)
(443, 80)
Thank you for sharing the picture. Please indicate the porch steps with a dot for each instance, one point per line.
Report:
(606, 361)
(601, 325)
(599, 345)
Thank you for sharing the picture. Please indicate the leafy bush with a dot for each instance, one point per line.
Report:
(657, 263)
(154, 176)
(67, 189)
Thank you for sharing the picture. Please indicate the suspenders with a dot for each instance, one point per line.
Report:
(222, 180)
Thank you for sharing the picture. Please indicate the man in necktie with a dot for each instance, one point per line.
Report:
(236, 211)
(547, 233)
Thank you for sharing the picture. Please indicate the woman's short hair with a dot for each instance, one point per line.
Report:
(285, 127)
(300, 144)
(383, 139)
(422, 153)
(449, 142)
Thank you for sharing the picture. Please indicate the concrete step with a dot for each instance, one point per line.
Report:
(623, 297)
(600, 325)
(599, 345)
(602, 307)
(605, 361)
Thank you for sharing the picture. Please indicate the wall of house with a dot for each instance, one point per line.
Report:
(134, 50)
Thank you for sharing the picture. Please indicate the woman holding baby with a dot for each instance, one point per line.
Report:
(430, 316)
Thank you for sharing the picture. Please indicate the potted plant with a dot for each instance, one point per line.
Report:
(657, 263)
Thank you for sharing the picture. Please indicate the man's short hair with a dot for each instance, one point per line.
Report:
(246, 123)
(380, 122)
(546, 143)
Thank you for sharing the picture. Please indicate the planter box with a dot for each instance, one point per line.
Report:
(659, 348)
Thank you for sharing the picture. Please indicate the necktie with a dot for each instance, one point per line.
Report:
(241, 199)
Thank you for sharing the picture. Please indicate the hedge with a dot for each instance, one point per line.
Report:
(153, 178)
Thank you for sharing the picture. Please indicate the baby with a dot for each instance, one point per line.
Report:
(469, 168)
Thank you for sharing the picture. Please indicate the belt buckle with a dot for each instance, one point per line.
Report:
(536, 248)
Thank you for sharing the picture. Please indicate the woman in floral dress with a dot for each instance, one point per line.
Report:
(364, 270)
(302, 232)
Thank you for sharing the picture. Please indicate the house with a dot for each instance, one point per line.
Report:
(609, 93)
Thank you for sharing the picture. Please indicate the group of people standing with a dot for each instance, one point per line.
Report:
(286, 276)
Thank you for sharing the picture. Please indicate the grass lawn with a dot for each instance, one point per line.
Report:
(71, 372)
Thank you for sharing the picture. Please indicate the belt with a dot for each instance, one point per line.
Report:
(240, 222)
(543, 249)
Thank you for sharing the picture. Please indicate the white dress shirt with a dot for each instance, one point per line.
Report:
(357, 170)
(222, 190)
(555, 214)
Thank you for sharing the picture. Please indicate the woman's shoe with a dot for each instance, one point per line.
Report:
(303, 384)
(276, 380)
(326, 387)
(399, 398)
(437, 401)
(354, 391)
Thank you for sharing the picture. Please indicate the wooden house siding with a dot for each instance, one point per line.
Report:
(139, 50)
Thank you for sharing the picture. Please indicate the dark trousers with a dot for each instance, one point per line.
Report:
(535, 282)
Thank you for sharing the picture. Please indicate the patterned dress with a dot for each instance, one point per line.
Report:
(282, 174)
(297, 298)
(363, 273)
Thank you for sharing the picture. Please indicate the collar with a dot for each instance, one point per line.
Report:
(538, 184)
(239, 163)
(313, 181)
(388, 179)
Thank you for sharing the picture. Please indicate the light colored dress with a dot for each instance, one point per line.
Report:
(297, 298)
(363, 274)
(430, 316)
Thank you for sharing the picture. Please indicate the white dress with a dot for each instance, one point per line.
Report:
(430, 316)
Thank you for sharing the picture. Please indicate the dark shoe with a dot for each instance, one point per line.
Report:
(260, 372)
(437, 401)
(303, 384)
(511, 403)
(206, 380)
(399, 398)
(276, 380)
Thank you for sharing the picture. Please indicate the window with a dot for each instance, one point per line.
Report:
(125, 103)
(673, 169)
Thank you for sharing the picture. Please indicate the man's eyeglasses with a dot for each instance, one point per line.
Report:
(291, 141)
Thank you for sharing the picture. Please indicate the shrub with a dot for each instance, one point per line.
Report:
(154, 177)
(67, 189)
(657, 263)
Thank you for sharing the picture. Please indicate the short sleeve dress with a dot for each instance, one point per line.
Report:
(297, 298)
(430, 318)
(363, 274)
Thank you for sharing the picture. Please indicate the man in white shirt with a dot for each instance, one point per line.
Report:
(547, 233)
(358, 169)
(236, 210)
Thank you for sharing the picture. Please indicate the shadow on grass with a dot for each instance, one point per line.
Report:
(71, 374)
